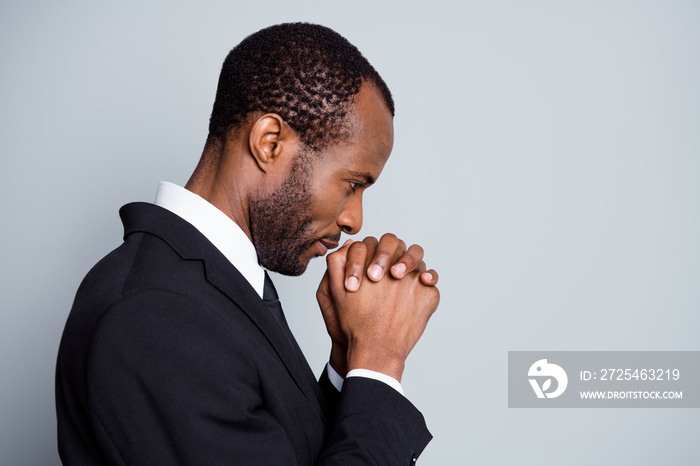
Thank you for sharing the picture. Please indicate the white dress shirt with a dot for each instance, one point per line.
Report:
(235, 245)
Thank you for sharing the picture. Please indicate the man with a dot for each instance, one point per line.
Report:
(176, 350)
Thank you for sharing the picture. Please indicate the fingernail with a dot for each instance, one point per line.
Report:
(400, 268)
(375, 271)
(353, 284)
(348, 241)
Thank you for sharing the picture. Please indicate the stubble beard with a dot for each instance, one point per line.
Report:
(281, 223)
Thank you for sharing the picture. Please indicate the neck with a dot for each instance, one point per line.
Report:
(220, 180)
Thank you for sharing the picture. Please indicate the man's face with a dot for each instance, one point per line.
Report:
(322, 195)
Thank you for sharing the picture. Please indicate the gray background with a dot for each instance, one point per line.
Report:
(547, 157)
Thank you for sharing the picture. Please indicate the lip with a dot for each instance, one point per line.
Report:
(325, 245)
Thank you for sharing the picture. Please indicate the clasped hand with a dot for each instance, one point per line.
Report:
(376, 298)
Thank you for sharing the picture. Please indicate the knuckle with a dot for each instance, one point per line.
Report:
(335, 259)
(354, 269)
(358, 247)
(390, 237)
(415, 278)
(331, 258)
(382, 258)
(435, 298)
(370, 240)
(409, 260)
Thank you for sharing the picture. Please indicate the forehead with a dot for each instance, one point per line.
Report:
(371, 134)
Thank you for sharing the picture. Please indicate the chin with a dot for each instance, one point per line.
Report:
(290, 270)
(292, 264)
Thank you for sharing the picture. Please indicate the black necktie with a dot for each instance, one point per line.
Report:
(272, 301)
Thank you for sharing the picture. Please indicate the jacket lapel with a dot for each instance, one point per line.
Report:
(246, 298)
(190, 244)
(242, 294)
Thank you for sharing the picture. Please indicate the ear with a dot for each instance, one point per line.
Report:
(270, 138)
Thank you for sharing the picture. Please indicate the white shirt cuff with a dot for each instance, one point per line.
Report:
(337, 380)
(334, 377)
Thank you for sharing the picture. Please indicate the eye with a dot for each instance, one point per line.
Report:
(355, 185)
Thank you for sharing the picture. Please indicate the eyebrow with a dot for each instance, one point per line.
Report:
(368, 179)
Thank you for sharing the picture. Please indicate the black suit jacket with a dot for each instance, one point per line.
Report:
(170, 357)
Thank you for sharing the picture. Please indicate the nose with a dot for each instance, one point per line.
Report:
(350, 218)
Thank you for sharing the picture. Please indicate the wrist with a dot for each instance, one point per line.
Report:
(361, 358)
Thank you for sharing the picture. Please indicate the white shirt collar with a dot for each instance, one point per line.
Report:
(217, 227)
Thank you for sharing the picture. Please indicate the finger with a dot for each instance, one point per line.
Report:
(408, 262)
(323, 293)
(371, 243)
(344, 248)
(355, 264)
(383, 256)
(435, 299)
(400, 251)
(335, 263)
(429, 278)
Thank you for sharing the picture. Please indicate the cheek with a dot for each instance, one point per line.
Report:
(327, 206)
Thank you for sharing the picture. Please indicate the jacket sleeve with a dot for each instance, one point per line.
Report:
(166, 387)
(374, 425)
(331, 393)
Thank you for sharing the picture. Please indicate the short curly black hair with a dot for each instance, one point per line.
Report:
(306, 73)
